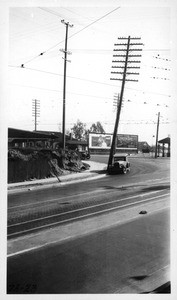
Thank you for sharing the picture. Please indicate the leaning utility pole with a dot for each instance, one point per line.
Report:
(157, 134)
(35, 111)
(114, 140)
(125, 61)
(64, 81)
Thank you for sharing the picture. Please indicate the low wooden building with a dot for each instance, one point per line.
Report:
(164, 142)
(18, 138)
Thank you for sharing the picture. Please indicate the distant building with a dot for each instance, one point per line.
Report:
(144, 147)
(164, 142)
(71, 143)
(18, 138)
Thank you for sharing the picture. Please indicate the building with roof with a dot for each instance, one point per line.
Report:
(165, 141)
(18, 138)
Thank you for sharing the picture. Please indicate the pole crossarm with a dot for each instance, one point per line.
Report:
(136, 49)
(128, 73)
(121, 79)
(128, 67)
(125, 50)
(131, 38)
(123, 61)
(122, 55)
(68, 52)
(135, 80)
(67, 23)
(134, 61)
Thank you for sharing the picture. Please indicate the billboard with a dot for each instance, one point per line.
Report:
(103, 141)
(127, 141)
(100, 141)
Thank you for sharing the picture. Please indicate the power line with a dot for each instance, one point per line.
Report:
(79, 94)
(76, 13)
(50, 11)
(57, 74)
(42, 53)
(161, 78)
(161, 58)
(55, 90)
(49, 28)
(160, 68)
(95, 21)
(58, 15)
(88, 80)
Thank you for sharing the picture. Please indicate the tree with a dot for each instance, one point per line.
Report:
(97, 128)
(79, 130)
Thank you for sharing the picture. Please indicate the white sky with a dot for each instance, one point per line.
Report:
(89, 90)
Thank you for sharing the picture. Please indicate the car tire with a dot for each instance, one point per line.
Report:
(124, 170)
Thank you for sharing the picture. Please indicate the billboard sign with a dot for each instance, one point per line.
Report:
(103, 141)
(127, 141)
(100, 141)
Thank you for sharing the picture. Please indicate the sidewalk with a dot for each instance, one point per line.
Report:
(96, 170)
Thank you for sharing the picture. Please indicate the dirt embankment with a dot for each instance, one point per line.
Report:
(26, 164)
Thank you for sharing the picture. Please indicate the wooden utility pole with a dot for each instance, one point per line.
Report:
(64, 80)
(157, 134)
(114, 139)
(125, 60)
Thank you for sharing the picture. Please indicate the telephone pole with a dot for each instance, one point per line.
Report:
(157, 134)
(126, 62)
(35, 111)
(64, 80)
(114, 139)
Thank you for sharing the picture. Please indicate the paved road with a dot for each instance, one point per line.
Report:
(130, 258)
(142, 172)
(41, 208)
(115, 258)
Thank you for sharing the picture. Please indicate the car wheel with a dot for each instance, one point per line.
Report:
(124, 170)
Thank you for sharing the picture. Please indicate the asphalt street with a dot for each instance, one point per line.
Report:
(142, 171)
(122, 259)
(116, 252)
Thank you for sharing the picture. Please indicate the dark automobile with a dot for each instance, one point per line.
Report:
(120, 164)
(84, 155)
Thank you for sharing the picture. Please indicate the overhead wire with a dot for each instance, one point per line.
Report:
(55, 90)
(89, 80)
(45, 28)
(76, 13)
(106, 99)
(50, 11)
(97, 20)
(57, 74)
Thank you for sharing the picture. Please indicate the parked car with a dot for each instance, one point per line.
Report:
(120, 164)
(84, 154)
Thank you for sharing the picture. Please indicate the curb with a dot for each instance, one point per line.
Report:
(53, 182)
